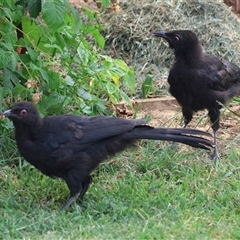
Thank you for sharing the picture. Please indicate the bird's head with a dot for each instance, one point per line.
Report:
(180, 40)
(23, 112)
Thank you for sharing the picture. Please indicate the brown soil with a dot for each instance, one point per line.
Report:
(78, 4)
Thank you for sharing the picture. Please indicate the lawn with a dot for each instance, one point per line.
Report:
(156, 191)
(153, 192)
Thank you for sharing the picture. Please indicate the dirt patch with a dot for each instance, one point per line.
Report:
(78, 4)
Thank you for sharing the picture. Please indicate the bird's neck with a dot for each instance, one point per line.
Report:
(25, 131)
(192, 55)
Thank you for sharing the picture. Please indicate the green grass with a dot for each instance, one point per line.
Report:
(154, 192)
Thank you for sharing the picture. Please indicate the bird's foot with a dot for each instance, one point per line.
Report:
(69, 202)
(215, 155)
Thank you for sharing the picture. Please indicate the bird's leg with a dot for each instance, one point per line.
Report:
(184, 125)
(187, 114)
(75, 186)
(215, 154)
(85, 186)
(214, 115)
(78, 188)
(69, 202)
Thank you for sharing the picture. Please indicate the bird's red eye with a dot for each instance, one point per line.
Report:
(176, 38)
(23, 112)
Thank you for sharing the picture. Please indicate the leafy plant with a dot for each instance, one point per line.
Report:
(50, 56)
(147, 86)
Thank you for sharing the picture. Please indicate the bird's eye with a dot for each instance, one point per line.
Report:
(176, 38)
(23, 112)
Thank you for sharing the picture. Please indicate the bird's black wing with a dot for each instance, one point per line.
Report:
(75, 132)
(221, 74)
(99, 127)
(69, 138)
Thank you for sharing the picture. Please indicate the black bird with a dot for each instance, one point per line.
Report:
(71, 147)
(199, 80)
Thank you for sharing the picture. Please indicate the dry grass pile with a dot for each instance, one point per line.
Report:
(128, 32)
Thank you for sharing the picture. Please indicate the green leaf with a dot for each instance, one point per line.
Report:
(8, 13)
(54, 103)
(33, 54)
(4, 92)
(53, 46)
(60, 40)
(83, 54)
(35, 34)
(54, 80)
(85, 95)
(5, 58)
(69, 81)
(114, 98)
(10, 37)
(116, 78)
(25, 58)
(111, 88)
(100, 104)
(14, 60)
(121, 64)
(147, 85)
(9, 79)
(105, 3)
(118, 71)
(85, 108)
(34, 7)
(94, 31)
(20, 90)
(126, 99)
(120, 67)
(43, 73)
(73, 20)
(53, 13)
(90, 14)
(99, 38)
(7, 27)
(1, 98)
(129, 79)
(108, 62)
(9, 3)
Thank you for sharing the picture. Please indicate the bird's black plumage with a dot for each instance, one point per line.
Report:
(199, 80)
(71, 147)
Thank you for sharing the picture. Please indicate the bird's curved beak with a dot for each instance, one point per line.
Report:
(164, 35)
(160, 34)
(7, 113)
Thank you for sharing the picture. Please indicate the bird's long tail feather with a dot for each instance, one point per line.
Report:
(186, 136)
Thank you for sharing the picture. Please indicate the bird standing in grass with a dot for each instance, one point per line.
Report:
(71, 147)
(199, 80)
